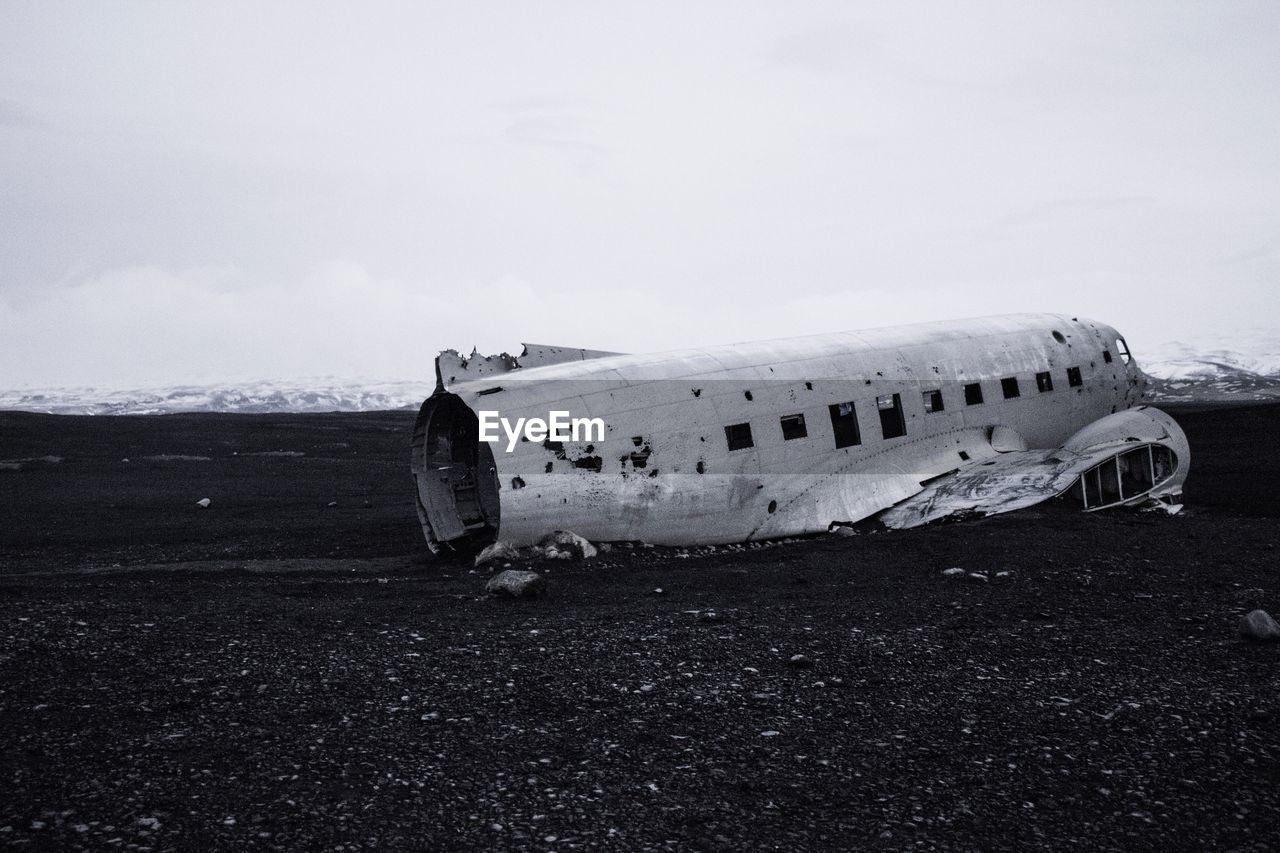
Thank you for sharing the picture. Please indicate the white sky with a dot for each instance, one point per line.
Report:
(195, 192)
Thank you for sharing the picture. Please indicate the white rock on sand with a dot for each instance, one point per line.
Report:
(514, 583)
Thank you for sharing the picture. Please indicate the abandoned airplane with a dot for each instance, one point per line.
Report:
(779, 438)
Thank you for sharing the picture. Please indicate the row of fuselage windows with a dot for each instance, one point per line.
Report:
(893, 424)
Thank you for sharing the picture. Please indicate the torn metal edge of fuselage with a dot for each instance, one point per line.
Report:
(453, 367)
(996, 496)
(1020, 479)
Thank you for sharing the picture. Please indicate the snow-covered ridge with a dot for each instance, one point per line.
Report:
(1247, 367)
(325, 394)
(1243, 367)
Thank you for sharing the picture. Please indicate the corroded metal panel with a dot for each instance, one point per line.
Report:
(663, 471)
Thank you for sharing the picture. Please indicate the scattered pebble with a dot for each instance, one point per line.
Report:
(497, 552)
(565, 542)
(513, 583)
(1259, 627)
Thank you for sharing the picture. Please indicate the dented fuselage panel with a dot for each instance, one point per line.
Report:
(1128, 441)
(770, 439)
(452, 367)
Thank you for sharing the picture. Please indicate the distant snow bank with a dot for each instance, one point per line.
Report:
(1251, 352)
(1244, 366)
(304, 395)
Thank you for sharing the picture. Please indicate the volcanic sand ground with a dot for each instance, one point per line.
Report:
(277, 673)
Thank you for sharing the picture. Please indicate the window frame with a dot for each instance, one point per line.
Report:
(729, 433)
(796, 418)
(900, 419)
(841, 422)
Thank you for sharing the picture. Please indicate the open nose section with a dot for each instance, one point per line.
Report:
(456, 478)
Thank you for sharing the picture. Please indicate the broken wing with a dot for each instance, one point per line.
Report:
(1124, 458)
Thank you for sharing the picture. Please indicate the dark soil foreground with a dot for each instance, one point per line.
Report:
(277, 673)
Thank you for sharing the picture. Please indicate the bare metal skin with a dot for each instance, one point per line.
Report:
(779, 438)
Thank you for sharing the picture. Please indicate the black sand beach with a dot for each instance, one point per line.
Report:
(288, 669)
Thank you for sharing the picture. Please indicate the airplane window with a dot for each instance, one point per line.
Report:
(1123, 349)
(892, 424)
(973, 394)
(1110, 481)
(738, 436)
(1010, 387)
(1106, 356)
(1073, 377)
(1135, 472)
(1044, 381)
(1092, 489)
(844, 423)
(1163, 463)
(1125, 476)
(933, 401)
(793, 427)
(1057, 336)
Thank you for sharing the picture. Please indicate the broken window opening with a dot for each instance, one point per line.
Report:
(973, 394)
(1125, 476)
(1135, 471)
(590, 463)
(701, 467)
(747, 394)
(793, 427)
(964, 457)
(933, 401)
(640, 458)
(1091, 495)
(1044, 381)
(517, 483)
(892, 424)
(1163, 463)
(738, 436)
(1109, 481)
(844, 423)
(1106, 356)
(1073, 377)
(1010, 387)
(1123, 349)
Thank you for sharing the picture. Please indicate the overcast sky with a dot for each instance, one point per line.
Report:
(194, 192)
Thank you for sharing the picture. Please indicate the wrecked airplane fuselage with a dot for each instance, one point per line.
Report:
(778, 438)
